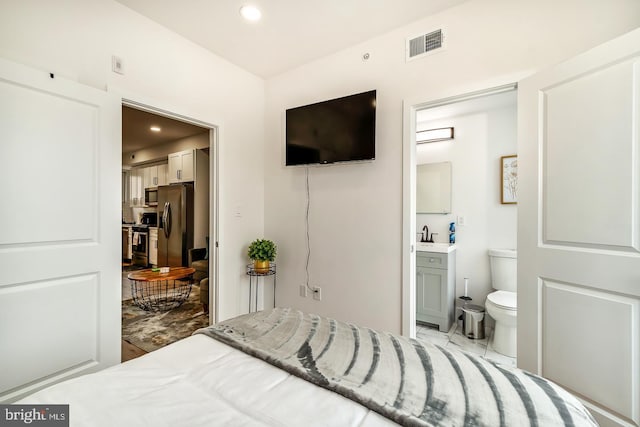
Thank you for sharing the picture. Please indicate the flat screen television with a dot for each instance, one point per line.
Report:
(338, 130)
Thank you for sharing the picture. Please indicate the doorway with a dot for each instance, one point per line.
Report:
(161, 154)
(484, 129)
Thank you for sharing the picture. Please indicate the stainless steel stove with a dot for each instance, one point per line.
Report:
(140, 244)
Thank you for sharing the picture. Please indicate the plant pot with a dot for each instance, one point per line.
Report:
(261, 266)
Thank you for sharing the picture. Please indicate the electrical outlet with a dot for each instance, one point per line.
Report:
(317, 293)
(303, 290)
(462, 220)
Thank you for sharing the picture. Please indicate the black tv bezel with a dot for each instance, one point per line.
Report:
(325, 163)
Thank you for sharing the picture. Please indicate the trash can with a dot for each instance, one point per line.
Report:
(473, 321)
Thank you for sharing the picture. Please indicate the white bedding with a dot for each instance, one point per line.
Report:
(199, 381)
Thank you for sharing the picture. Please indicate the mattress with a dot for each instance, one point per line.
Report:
(411, 382)
(199, 381)
(283, 367)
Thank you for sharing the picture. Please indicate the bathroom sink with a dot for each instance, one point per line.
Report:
(442, 248)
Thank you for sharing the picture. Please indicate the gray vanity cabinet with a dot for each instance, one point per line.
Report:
(435, 288)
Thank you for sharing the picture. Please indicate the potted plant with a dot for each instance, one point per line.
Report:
(262, 251)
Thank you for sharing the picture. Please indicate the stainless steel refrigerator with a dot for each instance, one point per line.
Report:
(175, 224)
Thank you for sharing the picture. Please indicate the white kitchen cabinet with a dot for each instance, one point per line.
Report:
(150, 175)
(153, 246)
(127, 240)
(162, 175)
(125, 186)
(136, 187)
(155, 175)
(435, 288)
(181, 166)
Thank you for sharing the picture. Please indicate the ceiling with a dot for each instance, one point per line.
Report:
(290, 33)
(136, 133)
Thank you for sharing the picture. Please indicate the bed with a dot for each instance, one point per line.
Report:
(282, 367)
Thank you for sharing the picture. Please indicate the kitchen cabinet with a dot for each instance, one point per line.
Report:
(125, 187)
(141, 178)
(136, 187)
(150, 176)
(127, 240)
(155, 176)
(181, 166)
(435, 288)
(153, 246)
(162, 175)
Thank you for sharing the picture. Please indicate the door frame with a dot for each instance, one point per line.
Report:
(410, 108)
(153, 106)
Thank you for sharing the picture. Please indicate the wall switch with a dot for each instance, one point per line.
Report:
(462, 220)
(303, 290)
(116, 65)
(317, 293)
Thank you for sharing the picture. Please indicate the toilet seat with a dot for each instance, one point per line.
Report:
(504, 299)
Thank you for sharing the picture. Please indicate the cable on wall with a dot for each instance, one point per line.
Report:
(307, 228)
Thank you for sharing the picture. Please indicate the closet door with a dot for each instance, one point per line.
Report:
(59, 229)
(579, 228)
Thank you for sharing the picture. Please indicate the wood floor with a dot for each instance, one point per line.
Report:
(130, 351)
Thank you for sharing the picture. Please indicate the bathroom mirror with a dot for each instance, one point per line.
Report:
(433, 183)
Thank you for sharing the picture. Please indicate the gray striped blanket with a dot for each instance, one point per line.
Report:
(410, 382)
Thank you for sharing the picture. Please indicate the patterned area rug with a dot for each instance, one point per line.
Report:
(152, 330)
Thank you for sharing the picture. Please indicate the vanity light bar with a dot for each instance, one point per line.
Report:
(433, 135)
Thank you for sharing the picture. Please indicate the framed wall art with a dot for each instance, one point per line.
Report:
(509, 179)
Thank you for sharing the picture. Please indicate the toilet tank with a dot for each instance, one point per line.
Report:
(504, 269)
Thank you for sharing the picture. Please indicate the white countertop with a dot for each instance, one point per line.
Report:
(442, 248)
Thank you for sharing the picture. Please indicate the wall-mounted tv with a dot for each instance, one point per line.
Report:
(338, 130)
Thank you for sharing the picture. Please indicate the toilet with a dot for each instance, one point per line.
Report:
(502, 304)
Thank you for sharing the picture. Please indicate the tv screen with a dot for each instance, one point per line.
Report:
(338, 130)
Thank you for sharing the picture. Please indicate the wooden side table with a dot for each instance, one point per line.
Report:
(254, 276)
(155, 291)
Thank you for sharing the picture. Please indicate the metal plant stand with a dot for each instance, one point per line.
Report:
(254, 276)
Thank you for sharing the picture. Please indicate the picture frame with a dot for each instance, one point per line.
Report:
(509, 179)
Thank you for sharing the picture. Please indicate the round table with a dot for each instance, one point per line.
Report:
(155, 291)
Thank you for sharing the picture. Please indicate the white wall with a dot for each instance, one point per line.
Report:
(76, 39)
(356, 210)
(485, 130)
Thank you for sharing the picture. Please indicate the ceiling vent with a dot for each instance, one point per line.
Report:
(420, 46)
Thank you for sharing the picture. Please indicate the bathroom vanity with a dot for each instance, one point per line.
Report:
(435, 284)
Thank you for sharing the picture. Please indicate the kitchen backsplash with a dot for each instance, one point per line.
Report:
(134, 214)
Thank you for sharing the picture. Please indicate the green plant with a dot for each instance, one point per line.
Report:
(262, 250)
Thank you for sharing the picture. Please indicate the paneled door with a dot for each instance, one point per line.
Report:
(60, 175)
(579, 228)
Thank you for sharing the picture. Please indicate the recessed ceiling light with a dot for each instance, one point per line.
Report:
(250, 13)
(155, 128)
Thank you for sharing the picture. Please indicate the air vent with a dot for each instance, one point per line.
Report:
(426, 43)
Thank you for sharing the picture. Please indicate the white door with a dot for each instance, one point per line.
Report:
(579, 228)
(60, 160)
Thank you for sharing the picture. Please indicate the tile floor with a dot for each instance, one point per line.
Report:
(456, 339)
